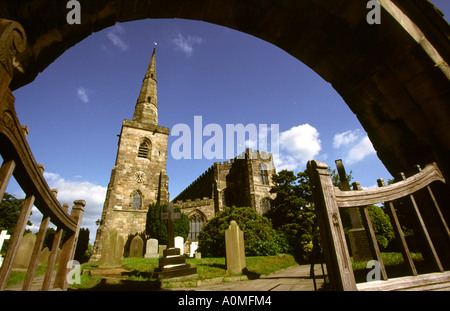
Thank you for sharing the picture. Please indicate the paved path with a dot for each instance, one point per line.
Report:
(296, 278)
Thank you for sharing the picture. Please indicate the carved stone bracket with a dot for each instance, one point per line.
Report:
(12, 42)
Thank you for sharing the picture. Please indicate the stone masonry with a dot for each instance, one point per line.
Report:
(243, 181)
(139, 177)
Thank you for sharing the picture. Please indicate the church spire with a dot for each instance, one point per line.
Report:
(146, 111)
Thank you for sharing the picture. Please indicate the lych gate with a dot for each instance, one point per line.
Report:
(18, 161)
(394, 75)
(329, 200)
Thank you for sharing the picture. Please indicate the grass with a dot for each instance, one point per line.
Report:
(393, 263)
(19, 277)
(207, 268)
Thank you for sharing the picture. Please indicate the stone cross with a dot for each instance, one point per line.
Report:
(170, 216)
(3, 236)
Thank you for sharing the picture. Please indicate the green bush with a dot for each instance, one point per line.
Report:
(260, 239)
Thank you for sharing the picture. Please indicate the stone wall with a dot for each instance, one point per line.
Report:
(230, 183)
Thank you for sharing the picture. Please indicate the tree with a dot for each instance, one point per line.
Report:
(260, 239)
(82, 245)
(9, 212)
(156, 228)
(10, 208)
(292, 211)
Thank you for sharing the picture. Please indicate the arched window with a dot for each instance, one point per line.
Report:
(144, 149)
(265, 206)
(264, 174)
(196, 224)
(137, 201)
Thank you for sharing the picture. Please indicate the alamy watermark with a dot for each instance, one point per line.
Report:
(375, 273)
(236, 138)
(373, 17)
(74, 274)
(74, 15)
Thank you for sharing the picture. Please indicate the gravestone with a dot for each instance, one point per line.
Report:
(179, 243)
(172, 264)
(161, 249)
(23, 255)
(234, 247)
(112, 250)
(43, 256)
(136, 247)
(3, 236)
(193, 248)
(152, 249)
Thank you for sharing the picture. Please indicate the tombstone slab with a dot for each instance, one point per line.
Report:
(112, 250)
(193, 248)
(235, 251)
(23, 255)
(136, 247)
(152, 249)
(43, 256)
(179, 243)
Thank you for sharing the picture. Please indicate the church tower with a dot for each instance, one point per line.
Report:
(139, 177)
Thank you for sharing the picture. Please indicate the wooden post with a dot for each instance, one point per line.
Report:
(400, 237)
(52, 260)
(32, 266)
(68, 249)
(339, 266)
(16, 237)
(437, 209)
(371, 235)
(6, 171)
(430, 247)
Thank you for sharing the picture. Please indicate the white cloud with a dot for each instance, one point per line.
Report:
(361, 150)
(186, 44)
(298, 145)
(355, 144)
(82, 94)
(114, 35)
(345, 138)
(71, 190)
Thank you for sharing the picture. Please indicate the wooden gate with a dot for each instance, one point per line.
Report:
(18, 161)
(328, 200)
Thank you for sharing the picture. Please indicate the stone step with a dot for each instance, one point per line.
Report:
(172, 260)
(171, 252)
(173, 267)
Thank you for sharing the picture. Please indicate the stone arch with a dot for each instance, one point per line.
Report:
(145, 148)
(394, 76)
(136, 200)
(197, 220)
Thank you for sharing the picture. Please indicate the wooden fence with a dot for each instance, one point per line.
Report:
(18, 161)
(329, 199)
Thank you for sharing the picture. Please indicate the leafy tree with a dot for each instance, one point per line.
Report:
(381, 225)
(10, 208)
(157, 229)
(9, 212)
(260, 239)
(292, 211)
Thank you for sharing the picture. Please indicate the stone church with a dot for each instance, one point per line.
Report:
(139, 177)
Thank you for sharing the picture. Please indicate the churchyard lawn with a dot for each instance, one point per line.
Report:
(207, 268)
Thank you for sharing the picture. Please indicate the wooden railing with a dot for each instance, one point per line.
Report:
(18, 161)
(329, 199)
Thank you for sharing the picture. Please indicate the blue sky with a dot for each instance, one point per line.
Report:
(74, 109)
